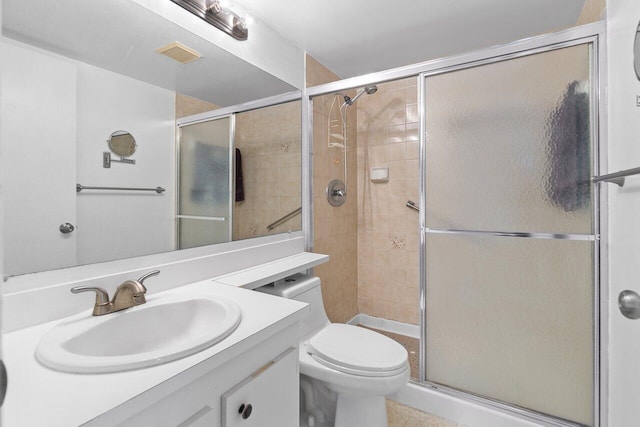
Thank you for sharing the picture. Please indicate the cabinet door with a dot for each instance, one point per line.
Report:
(267, 398)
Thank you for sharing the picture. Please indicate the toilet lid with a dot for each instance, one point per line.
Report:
(356, 350)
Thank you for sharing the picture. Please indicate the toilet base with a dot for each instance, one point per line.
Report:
(361, 411)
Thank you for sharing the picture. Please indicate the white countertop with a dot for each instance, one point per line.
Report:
(40, 396)
(262, 274)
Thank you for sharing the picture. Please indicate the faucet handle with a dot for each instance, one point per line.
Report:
(147, 275)
(102, 298)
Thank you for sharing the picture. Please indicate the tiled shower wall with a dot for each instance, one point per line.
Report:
(335, 228)
(593, 11)
(269, 140)
(388, 238)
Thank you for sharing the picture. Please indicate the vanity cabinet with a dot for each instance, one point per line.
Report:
(260, 387)
(261, 399)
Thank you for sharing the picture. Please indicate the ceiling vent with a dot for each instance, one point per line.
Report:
(179, 52)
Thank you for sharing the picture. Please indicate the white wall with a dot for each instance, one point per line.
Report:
(113, 225)
(624, 210)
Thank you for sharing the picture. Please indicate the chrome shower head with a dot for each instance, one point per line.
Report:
(367, 89)
(371, 89)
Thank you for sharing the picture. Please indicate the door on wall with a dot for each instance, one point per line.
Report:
(38, 135)
(204, 183)
(512, 233)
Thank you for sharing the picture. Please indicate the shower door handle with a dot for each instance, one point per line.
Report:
(66, 228)
(629, 304)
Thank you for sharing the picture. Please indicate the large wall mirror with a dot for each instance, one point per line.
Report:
(74, 74)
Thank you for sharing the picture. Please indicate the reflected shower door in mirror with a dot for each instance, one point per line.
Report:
(204, 183)
(239, 175)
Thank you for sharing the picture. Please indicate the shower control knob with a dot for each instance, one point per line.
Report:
(336, 193)
(66, 228)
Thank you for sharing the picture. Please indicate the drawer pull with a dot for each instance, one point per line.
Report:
(245, 410)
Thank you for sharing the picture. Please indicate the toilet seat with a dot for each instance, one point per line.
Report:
(357, 351)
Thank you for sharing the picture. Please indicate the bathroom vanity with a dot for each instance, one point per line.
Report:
(238, 381)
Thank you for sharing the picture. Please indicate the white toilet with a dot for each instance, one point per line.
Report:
(343, 365)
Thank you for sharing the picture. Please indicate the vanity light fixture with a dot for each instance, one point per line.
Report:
(217, 15)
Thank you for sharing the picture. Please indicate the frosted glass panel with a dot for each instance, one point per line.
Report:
(198, 232)
(509, 147)
(205, 150)
(205, 183)
(511, 319)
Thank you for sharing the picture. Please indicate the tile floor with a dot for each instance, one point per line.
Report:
(403, 416)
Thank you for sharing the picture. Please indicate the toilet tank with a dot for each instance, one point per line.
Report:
(305, 288)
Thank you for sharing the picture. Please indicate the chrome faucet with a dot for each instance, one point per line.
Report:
(130, 293)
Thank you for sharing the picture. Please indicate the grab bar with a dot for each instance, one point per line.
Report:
(616, 177)
(412, 205)
(80, 187)
(285, 218)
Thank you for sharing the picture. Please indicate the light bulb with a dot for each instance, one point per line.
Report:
(215, 7)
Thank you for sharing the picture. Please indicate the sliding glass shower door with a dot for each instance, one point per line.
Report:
(511, 231)
(204, 183)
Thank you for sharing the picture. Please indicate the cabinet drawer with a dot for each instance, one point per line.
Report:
(267, 398)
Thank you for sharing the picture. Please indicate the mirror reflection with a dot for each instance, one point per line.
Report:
(61, 99)
(122, 143)
(240, 178)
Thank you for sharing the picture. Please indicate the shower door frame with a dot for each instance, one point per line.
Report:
(593, 34)
(178, 216)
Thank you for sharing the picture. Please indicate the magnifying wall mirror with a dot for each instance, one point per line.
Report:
(122, 143)
(636, 52)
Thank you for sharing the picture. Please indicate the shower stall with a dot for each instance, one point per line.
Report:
(238, 172)
(497, 273)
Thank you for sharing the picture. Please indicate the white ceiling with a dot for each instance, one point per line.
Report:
(122, 36)
(350, 37)
(356, 37)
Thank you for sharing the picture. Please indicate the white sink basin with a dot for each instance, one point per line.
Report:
(162, 330)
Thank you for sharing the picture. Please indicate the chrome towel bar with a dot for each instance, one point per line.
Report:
(616, 177)
(80, 187)
(285, 218)
(412, 205)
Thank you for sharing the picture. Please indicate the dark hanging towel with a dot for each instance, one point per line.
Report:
(239, 183)
(569, 173)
